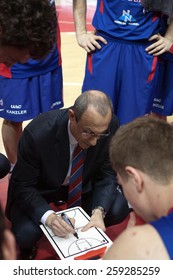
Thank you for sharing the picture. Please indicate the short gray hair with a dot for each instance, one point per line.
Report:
(98, 99)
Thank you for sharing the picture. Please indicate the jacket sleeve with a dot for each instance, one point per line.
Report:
(23, 183)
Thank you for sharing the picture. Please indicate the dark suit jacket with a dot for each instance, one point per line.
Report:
(43, 161)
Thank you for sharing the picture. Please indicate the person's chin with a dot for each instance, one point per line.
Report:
(85, 146)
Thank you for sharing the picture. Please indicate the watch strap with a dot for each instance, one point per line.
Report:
(102, 210)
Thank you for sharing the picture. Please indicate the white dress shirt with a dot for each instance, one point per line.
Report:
(73, 144)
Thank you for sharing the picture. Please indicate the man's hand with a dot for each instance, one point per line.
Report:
(89, 41)
(162, 44)
(58, 226)
(96, 221)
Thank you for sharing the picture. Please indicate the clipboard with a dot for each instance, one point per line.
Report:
(92, 244)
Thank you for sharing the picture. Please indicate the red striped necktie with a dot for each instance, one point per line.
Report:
(75, 187)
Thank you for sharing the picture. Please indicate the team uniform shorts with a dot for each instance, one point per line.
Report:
(163, 99)
(24, 99)
(125, 72)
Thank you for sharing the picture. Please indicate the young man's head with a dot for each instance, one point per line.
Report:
(90, 117)
(7, 241)
(27, 30)
(141, 153)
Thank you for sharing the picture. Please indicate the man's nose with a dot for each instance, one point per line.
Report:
(93, 141)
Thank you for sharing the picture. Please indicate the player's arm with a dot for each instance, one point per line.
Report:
(88, 41)
(163, 43)
(137, 243)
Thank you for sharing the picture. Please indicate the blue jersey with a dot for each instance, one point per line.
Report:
(34, 67)
(126, 19)
(164, 227)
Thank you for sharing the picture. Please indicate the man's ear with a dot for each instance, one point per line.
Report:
(71, 115)
(135, 175)
(9, 246)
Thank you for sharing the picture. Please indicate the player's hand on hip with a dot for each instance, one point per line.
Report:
(161, 45)
(89, 41)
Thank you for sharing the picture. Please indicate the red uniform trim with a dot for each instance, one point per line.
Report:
(102, 6)
(153, 70)
(5, 71)
(171, 49)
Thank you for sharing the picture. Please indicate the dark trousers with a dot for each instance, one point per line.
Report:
(27, 232)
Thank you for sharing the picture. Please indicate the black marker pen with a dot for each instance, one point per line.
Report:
(67, 220)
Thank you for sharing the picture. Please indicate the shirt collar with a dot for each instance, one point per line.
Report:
(72, 139)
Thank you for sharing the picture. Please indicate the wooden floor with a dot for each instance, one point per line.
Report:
(73, 67)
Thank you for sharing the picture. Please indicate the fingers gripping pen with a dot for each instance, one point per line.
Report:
(67, 220)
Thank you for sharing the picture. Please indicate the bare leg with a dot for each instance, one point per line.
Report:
(11, 133)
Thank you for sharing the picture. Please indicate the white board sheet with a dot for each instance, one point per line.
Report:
(70, 247)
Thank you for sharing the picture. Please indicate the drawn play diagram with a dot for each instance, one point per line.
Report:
(70, 247)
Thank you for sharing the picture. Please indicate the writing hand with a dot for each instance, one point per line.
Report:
(58, 226)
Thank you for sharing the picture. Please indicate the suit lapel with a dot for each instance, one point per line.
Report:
(62, 150)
